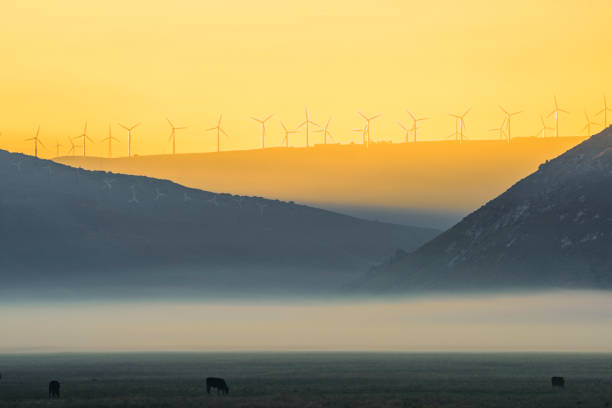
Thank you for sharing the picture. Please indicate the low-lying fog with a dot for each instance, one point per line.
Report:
(573, 321)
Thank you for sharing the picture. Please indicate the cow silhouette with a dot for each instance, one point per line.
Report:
(54, 389)
(218, 383)
(558, 382)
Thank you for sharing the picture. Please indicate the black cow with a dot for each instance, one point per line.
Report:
(218, 383)
(54, 389)
(558, 382)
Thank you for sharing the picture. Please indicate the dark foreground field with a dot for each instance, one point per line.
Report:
(308, 380)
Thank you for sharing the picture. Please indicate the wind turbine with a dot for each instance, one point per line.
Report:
(414, 124)
(555, 112)
(219, 131)
(326, 131)
(406, 130)
(85, 138)
(589, 122)
(605, 111)
(130, 130)
(110, 140)
(500, 129)
(72, 146)
(307, 122)
(544, 128)
(364, 132)
(36, 141)
(57, 147)
(173, 134)
(263, 128)
(368, 126)
(509, 116)
(460, 121)
(287, 133)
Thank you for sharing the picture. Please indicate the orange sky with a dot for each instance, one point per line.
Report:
(68, 61)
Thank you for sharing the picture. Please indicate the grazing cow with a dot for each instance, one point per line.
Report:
(218, 383)
(54, 389)
(558, 382)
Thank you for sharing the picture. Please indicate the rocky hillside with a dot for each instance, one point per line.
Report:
(552, 229)
(64, 230)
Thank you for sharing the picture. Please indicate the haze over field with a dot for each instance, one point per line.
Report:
(553, 321)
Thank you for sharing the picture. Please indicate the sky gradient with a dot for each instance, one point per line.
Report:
(130, 61)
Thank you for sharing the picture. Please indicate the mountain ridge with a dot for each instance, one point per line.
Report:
(76, 230)
(551, 229)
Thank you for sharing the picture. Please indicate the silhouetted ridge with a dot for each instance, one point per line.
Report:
(69, 230)
(551, 229)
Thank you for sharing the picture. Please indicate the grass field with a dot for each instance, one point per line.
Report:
(307, 380)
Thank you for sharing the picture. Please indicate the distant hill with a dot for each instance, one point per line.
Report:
(67, 231)
(431, 184)
(552, 229)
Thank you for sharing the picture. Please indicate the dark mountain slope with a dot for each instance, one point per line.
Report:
(90, 232)
(552, 229)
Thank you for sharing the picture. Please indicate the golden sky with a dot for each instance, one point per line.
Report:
(68, 61)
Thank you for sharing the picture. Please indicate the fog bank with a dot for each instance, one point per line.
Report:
(572, 321)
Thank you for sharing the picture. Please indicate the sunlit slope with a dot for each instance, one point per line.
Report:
(80, 231)
(552, 229)
(399, 180)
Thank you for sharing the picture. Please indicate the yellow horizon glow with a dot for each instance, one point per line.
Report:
(69, 61)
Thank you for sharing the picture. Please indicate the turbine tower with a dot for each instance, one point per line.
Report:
(130, 130)
(500, 129)
(36, 141)
(368, 126)
(544, 128)
(406, 130)
(307, 122)
(460, 124)
(110, 140)
(173, 134)
(72, 146)
(555, 112)
(57, 147)
(85, 138)
(364, 132)
(605, 111)
(287, 133)
(263, 128)
(414, 124)
(326, 131)
(219, 130)
(589, 123)
(509, 116)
